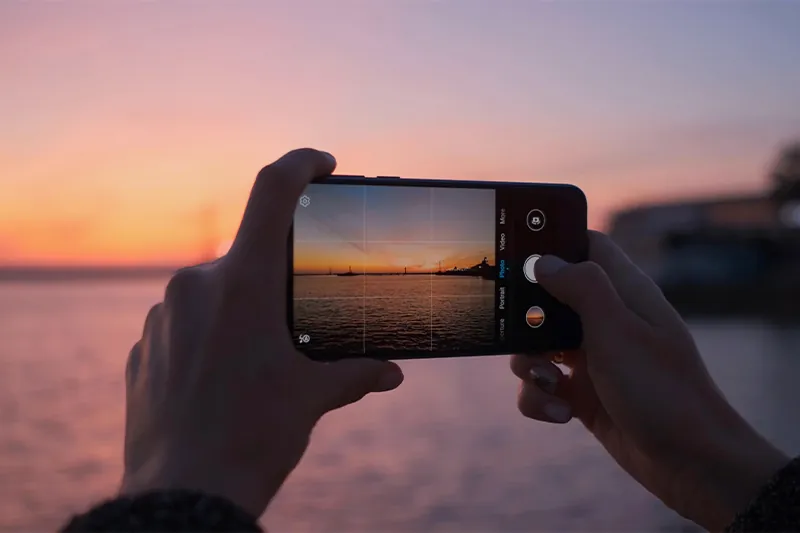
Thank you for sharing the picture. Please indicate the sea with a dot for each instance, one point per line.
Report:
(446, 452)
(416, 313)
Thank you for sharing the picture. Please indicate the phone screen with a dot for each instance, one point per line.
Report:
(394, 269)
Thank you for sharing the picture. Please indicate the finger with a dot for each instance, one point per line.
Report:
(639, 292)
(153, 319)
(537, 404)
(348, 381)
(579, 392)
(522, 363)
(537, 369)
(584, 287)
(542, 373)
(569, 358)
(264, 230)
(133, 364)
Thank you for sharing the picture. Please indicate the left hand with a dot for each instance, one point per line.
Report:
(218, 398)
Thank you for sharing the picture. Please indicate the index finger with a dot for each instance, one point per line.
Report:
(263, 233)
(637, 290)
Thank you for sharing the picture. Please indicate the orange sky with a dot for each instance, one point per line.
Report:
(130, 131)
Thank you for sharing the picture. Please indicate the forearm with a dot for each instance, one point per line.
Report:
(759, 492)
(742, 464)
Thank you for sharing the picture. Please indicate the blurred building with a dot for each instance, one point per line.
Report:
(738, 242)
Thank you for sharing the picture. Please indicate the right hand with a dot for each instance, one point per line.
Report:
(640, 386)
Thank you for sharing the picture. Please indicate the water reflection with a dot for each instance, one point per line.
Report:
(757, 365)
(448, 451)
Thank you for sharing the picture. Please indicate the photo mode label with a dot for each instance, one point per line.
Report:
(501, 302)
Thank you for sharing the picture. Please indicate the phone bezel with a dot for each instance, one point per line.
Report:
(582, 251)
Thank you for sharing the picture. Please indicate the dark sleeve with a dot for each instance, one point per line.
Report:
(165, 511)
(776, 508)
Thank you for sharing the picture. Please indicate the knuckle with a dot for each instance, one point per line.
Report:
(527, 404)
(183, 283)
(274, 175)
(521, 365)
(592, 282)
(585, 281)
(303, 153)
(153, 313)
(602, 248)
(635, 330)
(133, 362)
(239, 282)
(592, 273)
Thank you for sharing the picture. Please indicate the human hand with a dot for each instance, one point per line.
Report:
(218, 399)
(640, 386)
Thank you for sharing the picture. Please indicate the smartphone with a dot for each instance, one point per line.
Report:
(397, 268)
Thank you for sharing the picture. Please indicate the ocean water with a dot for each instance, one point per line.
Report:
(417, 312)
(446, 452)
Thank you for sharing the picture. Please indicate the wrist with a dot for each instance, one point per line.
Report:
(739, 466)
(240, 488)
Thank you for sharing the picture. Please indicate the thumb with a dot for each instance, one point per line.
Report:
(584, 287)
(347, 381)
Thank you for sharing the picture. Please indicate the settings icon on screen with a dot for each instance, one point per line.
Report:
(305, 201)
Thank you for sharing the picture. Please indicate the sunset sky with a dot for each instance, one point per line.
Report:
(130, 131)
(390, 229)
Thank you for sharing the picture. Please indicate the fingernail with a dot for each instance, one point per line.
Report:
(389, 380)
(549, 265)
(545, 379)
(558, 412)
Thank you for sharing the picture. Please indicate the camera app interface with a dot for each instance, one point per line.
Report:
(402, 271)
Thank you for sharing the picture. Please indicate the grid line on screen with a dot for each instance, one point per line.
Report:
(364, 267)
(430, 233)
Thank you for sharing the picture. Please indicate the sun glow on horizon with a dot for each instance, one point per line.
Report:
(118, 123)
(224, 247)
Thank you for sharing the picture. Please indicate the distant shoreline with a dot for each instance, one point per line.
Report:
(78, 273)
(368, 274)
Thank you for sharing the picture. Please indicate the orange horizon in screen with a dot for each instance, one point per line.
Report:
(411, 259)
